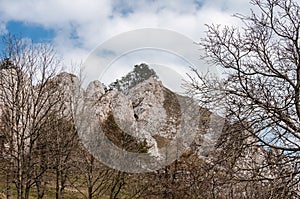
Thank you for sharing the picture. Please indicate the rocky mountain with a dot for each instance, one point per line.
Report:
(148, 118)
(143, 116)
(139, 114)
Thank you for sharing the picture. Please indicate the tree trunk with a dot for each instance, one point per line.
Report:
(20, 184)
(90, 178)
(40, 188)
(8, 184)
(27, 191)
(57, 184)
(62, 184)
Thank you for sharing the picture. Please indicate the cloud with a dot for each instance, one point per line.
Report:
(53, 13)
(81, 25)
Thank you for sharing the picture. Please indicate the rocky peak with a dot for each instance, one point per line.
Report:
(150, 115)
(148, 112)
(95, 90)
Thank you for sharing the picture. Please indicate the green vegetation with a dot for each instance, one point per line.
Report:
(139, 74)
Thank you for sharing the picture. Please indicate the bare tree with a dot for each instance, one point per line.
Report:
(26, 102)
(91, 179)
(260, 89)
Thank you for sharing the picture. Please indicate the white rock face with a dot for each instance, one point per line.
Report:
(70, 91)
(95, 90)
(140, 112)
(148, 112)
(124, 114)
(68, 82)
(147, 103)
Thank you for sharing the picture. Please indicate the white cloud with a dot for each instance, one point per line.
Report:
(81, 25)
(55, 12)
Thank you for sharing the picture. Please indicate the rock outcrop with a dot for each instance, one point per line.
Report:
(151, 116)
(148, 112)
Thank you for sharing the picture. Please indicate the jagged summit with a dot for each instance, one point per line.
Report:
(139, 74)
(138, 106)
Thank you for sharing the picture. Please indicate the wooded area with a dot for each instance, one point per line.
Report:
(257, 155)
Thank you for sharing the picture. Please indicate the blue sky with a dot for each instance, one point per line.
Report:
(76, 27)
(33, 31)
